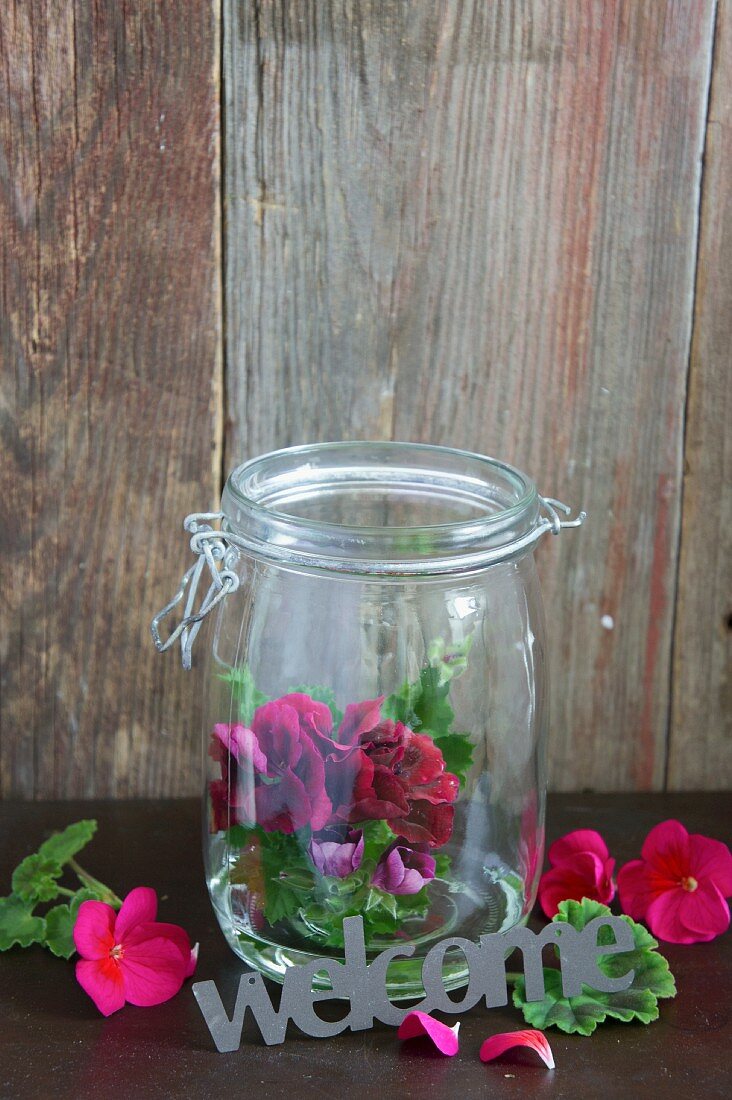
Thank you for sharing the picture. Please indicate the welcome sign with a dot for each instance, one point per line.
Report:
(363, 984)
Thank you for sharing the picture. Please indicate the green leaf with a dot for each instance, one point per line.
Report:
(581, 1015)
(399, 707)
(422, 705)
(60, 923)
(286, 874)
(35, 879)
(432, 709)
(244, 692)
(18, 925)
(321, 695)
(63, 846)
(457, 752)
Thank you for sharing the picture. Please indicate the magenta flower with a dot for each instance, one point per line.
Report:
(337, 852)
(272, 773)
(581, 868)
(129, 956)
(679, 885)
(403, 870)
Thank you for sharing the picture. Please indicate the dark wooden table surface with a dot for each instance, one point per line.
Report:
(53, 1042)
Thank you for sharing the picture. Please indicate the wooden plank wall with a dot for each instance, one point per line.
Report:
(485, 225)
(110, 332)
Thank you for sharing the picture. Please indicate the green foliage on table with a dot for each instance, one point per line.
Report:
(36, 881)
(652, 980)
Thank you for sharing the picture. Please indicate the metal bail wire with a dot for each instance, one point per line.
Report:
(552, 508)
(211, 548)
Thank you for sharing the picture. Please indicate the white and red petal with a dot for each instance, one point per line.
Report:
(497, 1045)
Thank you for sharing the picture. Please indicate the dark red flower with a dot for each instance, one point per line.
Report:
(425, 823)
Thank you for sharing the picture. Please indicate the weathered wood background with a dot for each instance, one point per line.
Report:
(504, 226)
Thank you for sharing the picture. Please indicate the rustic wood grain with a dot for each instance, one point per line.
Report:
(700, 753)
(110, 342)
(476, 224)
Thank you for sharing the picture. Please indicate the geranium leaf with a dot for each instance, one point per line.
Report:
(35, 878)
(652, 979)
(18, 925)
(321, 695)
(244, 692)
(399, 707)
(457, 752)
(432, 709)
(60, 931)
(63, 846)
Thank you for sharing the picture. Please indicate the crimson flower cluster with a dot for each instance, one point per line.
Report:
(290, 769)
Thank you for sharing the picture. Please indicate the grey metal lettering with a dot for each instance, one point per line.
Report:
(364, 985)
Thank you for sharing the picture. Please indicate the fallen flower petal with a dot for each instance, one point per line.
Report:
(497, 1045)
(418, 1023)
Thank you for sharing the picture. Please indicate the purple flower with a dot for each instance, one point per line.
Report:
(403, 869)
(336, 853)
(272, 773)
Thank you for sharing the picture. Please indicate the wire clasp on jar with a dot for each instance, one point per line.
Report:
(212, 551)
(555, 523)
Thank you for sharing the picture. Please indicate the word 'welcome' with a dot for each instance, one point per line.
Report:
(364, 984)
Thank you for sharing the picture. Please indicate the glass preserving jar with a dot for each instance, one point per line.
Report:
(375, 701)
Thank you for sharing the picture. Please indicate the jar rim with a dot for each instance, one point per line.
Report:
(496, 505)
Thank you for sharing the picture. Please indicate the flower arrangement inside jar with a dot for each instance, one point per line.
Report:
(327, 814)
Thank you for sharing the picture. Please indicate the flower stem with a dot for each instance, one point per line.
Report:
(512, 976)
(104, 892)
(66, 893)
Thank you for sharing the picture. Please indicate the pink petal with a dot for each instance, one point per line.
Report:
(359, 718)
(666, 848)
(679, 916)
(711, 859)
(586, 876)
(705, 911)
(94, 930)
(172, 932)
(417, 1023)
(636, 888)
(153, 968)
(102, 980)
(139, 907)
(496, 1045)
(581, 840)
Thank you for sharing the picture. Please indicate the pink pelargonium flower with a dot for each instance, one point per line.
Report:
(679, 885)
(581, 868)
(129, 956)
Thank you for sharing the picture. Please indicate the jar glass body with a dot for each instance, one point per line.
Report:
(374, 744)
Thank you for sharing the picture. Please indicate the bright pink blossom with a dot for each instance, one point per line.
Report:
(417, 1023)
(679, 885)
(129, 956)
(497, 1045)
(581, 868)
